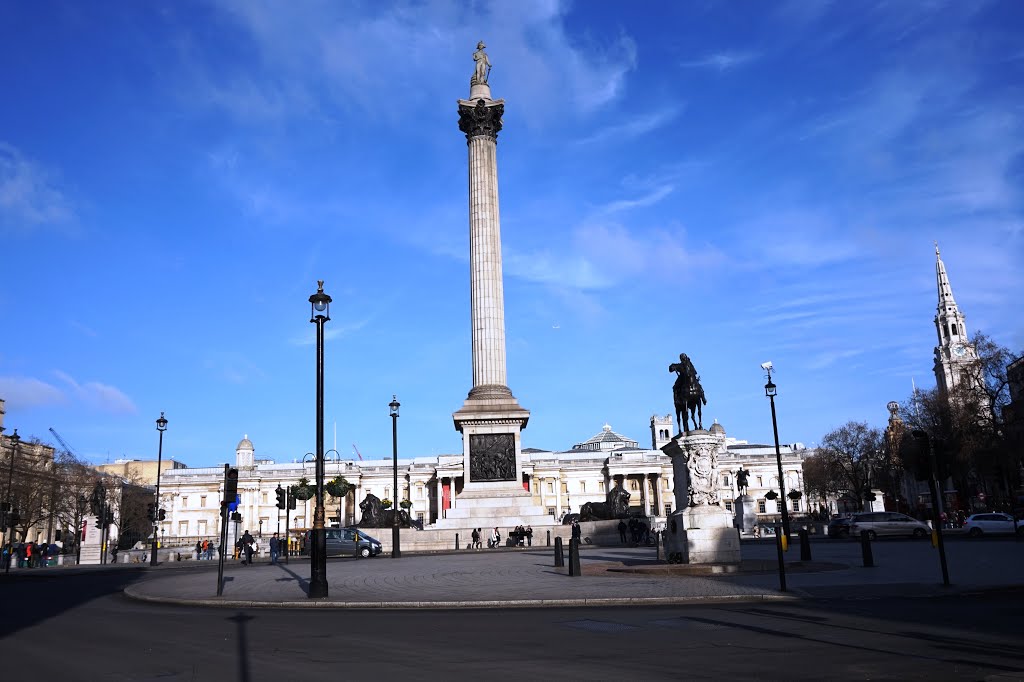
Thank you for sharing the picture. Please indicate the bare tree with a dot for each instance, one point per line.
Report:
(852, 461)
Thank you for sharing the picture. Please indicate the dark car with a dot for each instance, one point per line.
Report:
(839, 527)
(348, 542)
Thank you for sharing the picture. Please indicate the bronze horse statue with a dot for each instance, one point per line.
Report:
(687, 394)
(376, 516)
(615, 506)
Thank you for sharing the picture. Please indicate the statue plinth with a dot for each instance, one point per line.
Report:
(700, 530)
(746, 514)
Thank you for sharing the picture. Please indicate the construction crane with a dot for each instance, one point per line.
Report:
(357, 452)
(64, 443)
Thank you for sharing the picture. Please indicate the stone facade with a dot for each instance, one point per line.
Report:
(553, 482)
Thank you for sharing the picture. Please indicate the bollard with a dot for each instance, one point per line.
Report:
(805, 544)
(782, 563)
(456, 541)
(574, 557)
(865, 549)
(559, 557)
(549, 538)
(657, 543)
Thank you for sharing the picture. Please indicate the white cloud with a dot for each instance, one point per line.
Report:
(28, 194)
(99, 395)
(313, 57)
(29, 392)
(721, 61)
(635, 127)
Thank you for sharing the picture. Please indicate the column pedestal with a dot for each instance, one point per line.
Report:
(700, 531)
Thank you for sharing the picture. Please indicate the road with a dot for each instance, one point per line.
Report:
(81, 627)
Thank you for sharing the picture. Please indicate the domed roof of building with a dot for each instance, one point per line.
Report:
(245, 443)
(606, 440)
(717, 428)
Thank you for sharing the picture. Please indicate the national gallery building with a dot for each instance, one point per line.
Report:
(560, 482)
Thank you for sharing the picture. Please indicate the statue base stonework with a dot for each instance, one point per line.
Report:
(700, 531)
(746, 514)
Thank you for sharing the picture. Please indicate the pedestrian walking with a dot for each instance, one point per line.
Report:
(622, 531)
(275, 548)
(577, 532)
(247, 547)
(529, 536)
(495, 539)
(199, 550)
(476, 538)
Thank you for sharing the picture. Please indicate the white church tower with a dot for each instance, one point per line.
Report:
(956, 359)
(244, 453)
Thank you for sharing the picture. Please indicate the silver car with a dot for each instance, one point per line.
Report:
(887, 523)
(991, 523)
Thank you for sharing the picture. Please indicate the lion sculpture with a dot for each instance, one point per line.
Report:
(376, 516)
(615, 506)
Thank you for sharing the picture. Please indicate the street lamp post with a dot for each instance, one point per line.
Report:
(13, 440)
(396, 549)
(320, 313)
(161, 426)
(770, 391)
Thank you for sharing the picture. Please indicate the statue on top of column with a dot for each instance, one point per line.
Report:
(687, 394)
(483, 66)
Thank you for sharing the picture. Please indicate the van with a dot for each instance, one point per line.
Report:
(347, 542)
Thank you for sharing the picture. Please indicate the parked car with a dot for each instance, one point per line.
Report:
(991, 523)
(887, 523)
(348, 542)
(839, 527)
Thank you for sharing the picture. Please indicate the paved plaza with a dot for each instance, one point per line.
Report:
(527, 578)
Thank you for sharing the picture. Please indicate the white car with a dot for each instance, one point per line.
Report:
(991, 523)
(887, 523)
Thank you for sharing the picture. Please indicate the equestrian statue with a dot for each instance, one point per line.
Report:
(688, 394)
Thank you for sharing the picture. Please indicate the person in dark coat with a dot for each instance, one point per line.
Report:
(247, 547)
(622, 531)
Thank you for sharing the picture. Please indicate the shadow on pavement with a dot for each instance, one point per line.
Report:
(241, 619)
(303, 582)
(30, 599)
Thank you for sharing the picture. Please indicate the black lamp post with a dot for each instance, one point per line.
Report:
(769, 390)
(396, 549)
(320, 313)
(13, 440)
(161, 426)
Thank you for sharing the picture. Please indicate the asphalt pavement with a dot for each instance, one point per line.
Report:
(610, 576)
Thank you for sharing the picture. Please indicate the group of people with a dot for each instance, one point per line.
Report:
(639, 532)
(522, 536)
(205, 549)
(29, 554)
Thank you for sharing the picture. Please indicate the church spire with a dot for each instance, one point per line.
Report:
(942, 279)
(954, 351)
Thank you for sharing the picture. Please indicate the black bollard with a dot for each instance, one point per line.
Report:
(657, 543)
(574, 557)
(559, 557)
(782, 562)
(549, 538)
(865, 549)
(456, 541)
(805, 544)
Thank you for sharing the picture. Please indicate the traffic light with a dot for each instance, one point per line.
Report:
(231, 484)
(162, 515)
(291, 498)
(151, 511)
(280, 497)
(237, 517)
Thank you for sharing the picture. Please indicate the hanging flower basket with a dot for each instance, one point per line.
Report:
(794, 494)
(303, 491)
(385, 503)
(338, 487)
(770, 495)
(405, 504)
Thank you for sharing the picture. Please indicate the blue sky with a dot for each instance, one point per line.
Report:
(740, 181)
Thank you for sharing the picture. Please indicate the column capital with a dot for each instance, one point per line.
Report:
(481, 118)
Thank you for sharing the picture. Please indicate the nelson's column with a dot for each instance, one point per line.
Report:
(490, 419)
